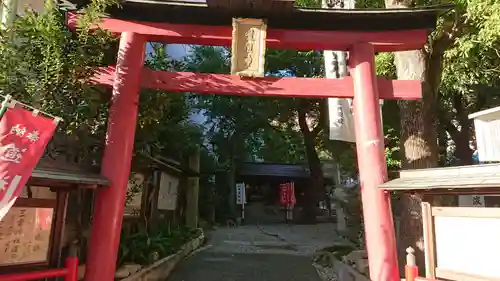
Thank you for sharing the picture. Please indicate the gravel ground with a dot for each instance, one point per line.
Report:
(246, 254)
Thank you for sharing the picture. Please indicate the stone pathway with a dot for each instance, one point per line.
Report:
(308, 239)
(248, 253)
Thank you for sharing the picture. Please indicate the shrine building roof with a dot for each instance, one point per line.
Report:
(273, 170)
(58, 173)
(280, 14)
(173, 167)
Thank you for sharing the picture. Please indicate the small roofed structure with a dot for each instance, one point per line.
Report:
(163, 191)
(53, 172)
(476, 179)
(35, 232)
(263, 181)
(459, 242)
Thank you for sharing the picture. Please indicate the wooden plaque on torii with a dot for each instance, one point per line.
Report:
(248, 47)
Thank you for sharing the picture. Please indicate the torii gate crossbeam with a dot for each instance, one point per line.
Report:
(296, 87)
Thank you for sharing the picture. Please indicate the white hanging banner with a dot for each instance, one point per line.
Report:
(340, 112)
(341, 118)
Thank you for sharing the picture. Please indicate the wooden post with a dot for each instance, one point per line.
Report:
(192, 191)
(110, 201)
(429, 246)
(71, 264)
(379, 226)
(152, 199)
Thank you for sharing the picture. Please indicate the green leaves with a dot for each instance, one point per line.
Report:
(164, 124)
(384, 63)
(234, 123)
(146, 247)
(47, 65)
(462, 60)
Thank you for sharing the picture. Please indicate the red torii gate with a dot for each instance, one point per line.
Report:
(376, 31)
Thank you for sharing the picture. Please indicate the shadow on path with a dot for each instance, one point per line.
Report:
(246, 253)
(213, 266)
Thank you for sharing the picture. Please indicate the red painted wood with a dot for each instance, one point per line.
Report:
(388, 41)
(70, 273)
(411, 272)
(36, 275)
(71, 264)
(379, 226)
(204, 83)
(110, 201)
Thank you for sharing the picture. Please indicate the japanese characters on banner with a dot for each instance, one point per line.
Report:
(24, 134)
(340, 111)
(341, 118)
(287, 193)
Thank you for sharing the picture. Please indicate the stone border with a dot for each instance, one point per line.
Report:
(339, 270)
(160, 270)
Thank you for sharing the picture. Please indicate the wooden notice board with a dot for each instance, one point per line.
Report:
(461, 243)
(167, 195)
(25, 235)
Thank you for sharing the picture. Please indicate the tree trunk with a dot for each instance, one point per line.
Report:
(313, 194)
(419, 124)
(442, 143)
(462, 137)
(419, 144)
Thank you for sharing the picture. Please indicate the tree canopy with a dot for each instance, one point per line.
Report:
(50, 67)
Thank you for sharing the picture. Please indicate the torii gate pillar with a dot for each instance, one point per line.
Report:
(110, 201)
(379, 225)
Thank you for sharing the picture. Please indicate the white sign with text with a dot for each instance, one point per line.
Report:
(240, 194)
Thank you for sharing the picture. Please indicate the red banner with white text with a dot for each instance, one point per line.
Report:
(283, 194)
(293, 200)
(287, 193)
(23, 137)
